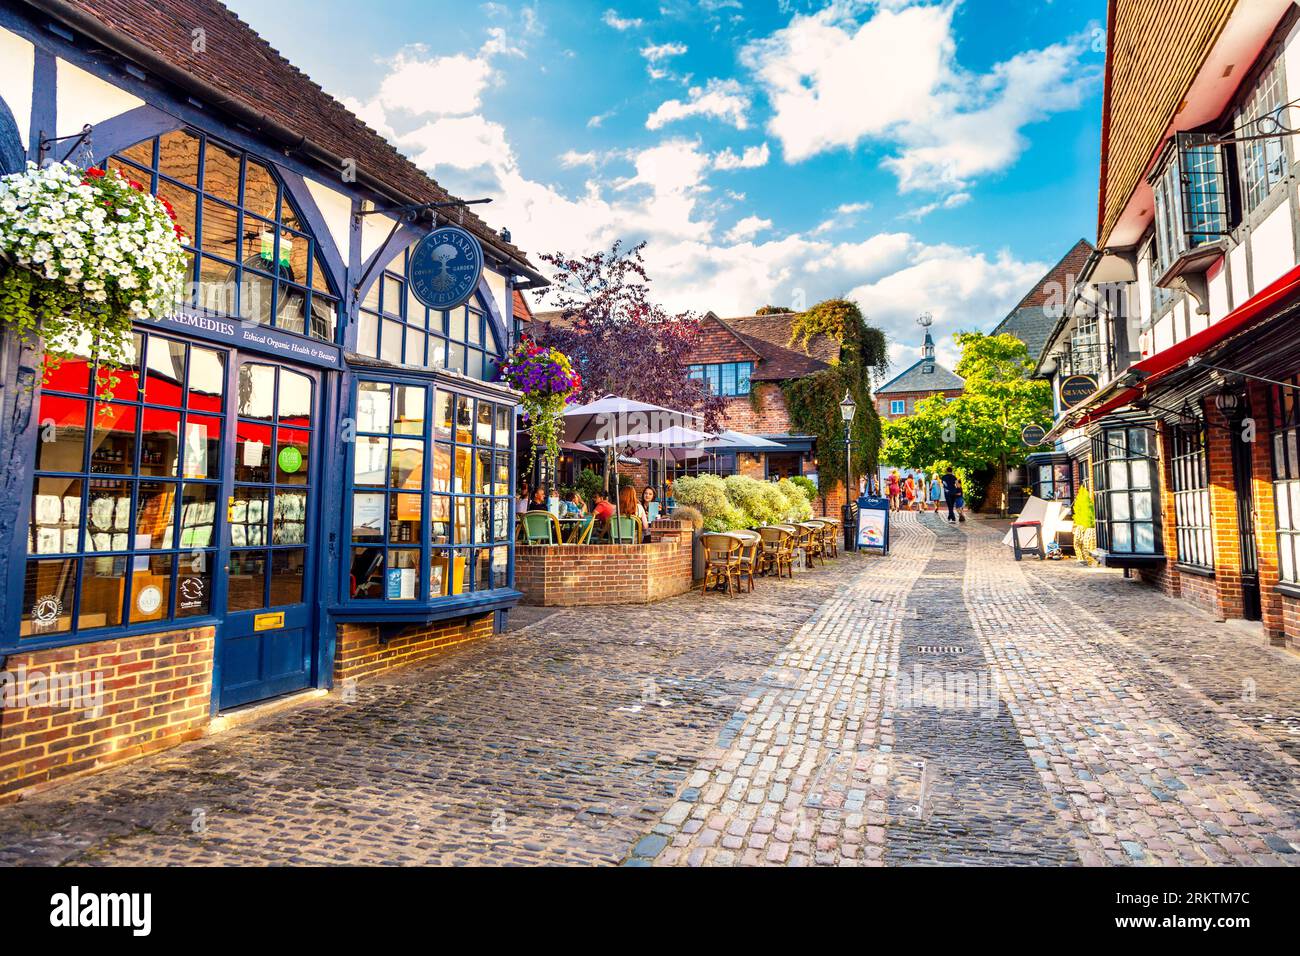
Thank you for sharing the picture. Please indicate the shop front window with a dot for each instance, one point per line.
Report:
(1124, 470)
(1054, 482)
(429, 498)
(250, 254)
(398, 328)
(126, 491)
(1192, 497)
(1285, 414)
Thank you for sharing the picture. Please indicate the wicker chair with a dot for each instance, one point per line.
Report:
(830, 537)
(750, 554)
(778, 550)
(721, 560)
(810, 539)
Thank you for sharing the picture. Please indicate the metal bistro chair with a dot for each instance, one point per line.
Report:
(540, 527)
(624, 529)
(750, 548)
(721, 560)
(778, 552)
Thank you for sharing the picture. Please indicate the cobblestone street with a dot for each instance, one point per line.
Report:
(945, 705)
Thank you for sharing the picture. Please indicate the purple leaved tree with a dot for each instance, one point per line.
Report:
(619, 341)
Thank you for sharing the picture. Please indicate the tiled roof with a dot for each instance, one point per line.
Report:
(1034, 318)
(240, 65)
(769, 336)
(1154, 49)
(522, 310)
(924, 376)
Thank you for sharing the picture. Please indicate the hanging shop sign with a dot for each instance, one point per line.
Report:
(873, 524)
(1076, 388)
(253, 336)
(1032, 435)
(445, 268)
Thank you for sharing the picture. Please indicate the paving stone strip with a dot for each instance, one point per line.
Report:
(804, 771)
(1115, 759)
(981, 801)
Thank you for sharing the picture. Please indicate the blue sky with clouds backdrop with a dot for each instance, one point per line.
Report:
(913, 155)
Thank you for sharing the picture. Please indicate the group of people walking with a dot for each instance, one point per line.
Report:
(913, 491)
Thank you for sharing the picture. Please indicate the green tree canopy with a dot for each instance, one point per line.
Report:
(981, 428)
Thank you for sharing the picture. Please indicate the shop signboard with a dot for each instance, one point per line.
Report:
(1076, 388)
(445, 268)
(1032, 435)
(246, 334)
(873, 524)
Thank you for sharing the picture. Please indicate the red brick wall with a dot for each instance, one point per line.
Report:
(360, 653)
(579, 575)
(911, 398)
(762, 413)
(157, 692)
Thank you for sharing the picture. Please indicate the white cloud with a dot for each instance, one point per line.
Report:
(499, 44)
(571, 158)
(448, 85)
(948, 202)
(748, 228)
(612, 19)
(751, 158)
(717, 99)
(949, 125)
(656, 53)
(597, 121)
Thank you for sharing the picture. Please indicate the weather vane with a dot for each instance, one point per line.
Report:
(925, 320)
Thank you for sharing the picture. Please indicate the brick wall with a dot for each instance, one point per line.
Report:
(156, 692)
(361, 653)
(763, 412)
(883, 402)
(580, 575)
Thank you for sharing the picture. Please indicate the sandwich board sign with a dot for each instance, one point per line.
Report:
(873, 524)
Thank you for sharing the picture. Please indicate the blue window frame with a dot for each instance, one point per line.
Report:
(125, 502)
(250, 252)
(428, 504)
(898, 406)
(726, 378)
(397, 327)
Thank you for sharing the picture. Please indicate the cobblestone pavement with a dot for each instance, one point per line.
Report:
(945, 705)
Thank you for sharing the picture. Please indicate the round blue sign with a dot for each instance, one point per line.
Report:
(445, 267)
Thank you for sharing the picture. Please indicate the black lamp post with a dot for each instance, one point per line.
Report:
(847, 409)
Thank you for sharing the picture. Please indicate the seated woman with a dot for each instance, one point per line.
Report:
(571, 506)
(649, 505)
(630, 507)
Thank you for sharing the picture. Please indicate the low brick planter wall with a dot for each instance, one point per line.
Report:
(581, 575)
(360, 653)
(75, 709)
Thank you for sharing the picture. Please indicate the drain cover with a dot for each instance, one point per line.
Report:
(940, 649)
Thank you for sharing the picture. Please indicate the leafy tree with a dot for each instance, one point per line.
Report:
(814, 400)
(981, 428)
(620, 341)
(774, 310)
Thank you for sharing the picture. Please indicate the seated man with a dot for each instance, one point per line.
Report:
(603, 511)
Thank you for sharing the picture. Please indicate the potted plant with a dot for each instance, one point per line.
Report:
(1085, 527)
(84, 253)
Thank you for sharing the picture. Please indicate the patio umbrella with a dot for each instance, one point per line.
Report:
(676, 443)
(728, 438)
(611, 421)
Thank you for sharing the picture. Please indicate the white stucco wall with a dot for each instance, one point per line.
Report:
(83, 98)
(336, 209)
(17, 64)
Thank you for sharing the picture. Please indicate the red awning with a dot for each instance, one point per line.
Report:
(1256, 309)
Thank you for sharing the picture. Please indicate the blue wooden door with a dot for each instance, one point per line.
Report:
(268, 637)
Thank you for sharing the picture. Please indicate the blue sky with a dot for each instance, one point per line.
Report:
(912, 154)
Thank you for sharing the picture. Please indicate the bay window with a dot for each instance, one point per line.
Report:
(429, 502)
(1124, 470)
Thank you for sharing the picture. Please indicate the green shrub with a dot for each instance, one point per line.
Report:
(798, 498)
(588, 484)
(1084, 515)
(749, 495)
(708, 495)
(808, 486)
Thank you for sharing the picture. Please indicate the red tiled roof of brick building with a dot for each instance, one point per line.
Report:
(240, 65)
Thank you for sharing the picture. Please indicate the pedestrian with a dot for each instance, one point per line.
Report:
(895, 490)
(950, 492)
(909, 491)
(936, 491)
(961, 502)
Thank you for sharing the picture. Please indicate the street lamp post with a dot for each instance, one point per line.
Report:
(847, 408)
